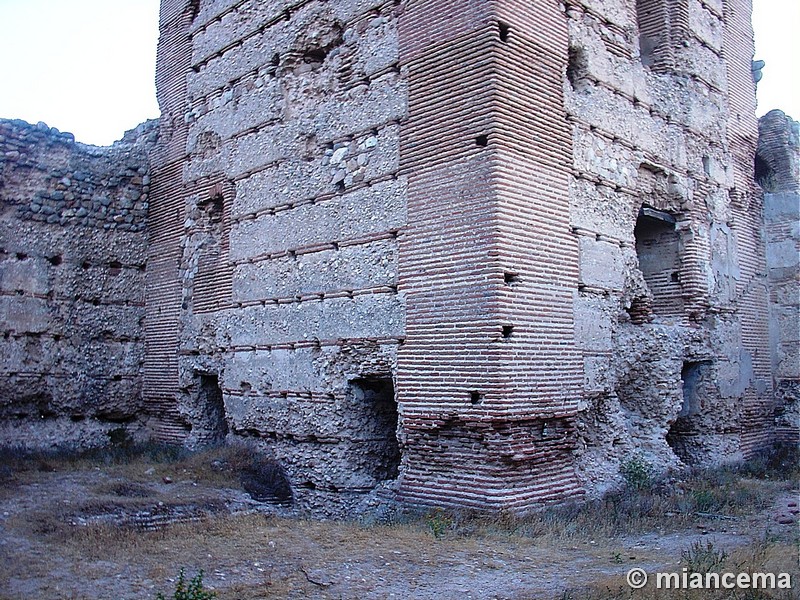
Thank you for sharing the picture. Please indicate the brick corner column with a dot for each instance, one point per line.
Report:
(489, 376)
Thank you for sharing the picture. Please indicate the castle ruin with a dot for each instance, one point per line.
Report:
(478, 253)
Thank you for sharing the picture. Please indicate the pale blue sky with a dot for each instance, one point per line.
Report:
(83, 66)
(88, 66)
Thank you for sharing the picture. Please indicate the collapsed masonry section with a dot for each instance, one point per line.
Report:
(488, 377)
(672, 273)
(375, 407)
(72, 263)
(697, 382)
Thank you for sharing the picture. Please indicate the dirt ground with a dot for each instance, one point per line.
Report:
(124, 532)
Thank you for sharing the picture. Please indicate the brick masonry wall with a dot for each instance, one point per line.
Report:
(779, 177)
(649, 134)
(747, 211)
(489, 376)
(284, 203)
(357, 194)
(472, 255)
(72, 261)
(163, 290)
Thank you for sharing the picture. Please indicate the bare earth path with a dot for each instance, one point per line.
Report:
(58, 540)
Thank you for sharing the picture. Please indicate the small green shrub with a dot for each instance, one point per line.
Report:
(705, 501)
(438, 522)
(194, 590)
(638, 473)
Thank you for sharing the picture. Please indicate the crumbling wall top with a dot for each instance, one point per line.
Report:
(45, 175)
(778, 158)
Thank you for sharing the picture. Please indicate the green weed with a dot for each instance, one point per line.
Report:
(194, 590)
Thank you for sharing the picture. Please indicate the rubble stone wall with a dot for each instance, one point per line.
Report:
(671, 305)
(778, 173)
(72, 263)
(492, 250)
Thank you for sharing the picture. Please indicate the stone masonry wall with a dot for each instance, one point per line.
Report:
(476, 254)
(479, 254)
(671, 307)
(72, 262)
(778, 173)
(290, 203)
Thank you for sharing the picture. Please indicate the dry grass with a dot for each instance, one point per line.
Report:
(262, 557)
(254, 556)
(220, 467)
(668, 506)
(250, 557)
(672, 504)
(759, 557)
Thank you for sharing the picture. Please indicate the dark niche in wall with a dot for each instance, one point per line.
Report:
(375, 409)
(658, 251)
